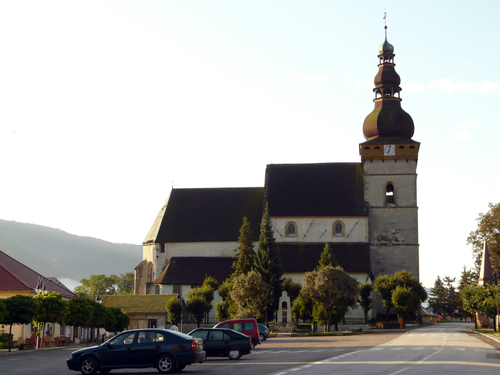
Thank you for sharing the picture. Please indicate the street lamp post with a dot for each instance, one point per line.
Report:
(98, 300)
(39, 289)
(497, 325)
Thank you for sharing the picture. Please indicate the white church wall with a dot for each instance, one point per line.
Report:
(321, 229)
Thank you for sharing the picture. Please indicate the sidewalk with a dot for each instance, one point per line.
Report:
(15, 351)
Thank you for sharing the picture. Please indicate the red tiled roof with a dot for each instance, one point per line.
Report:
(16, 276)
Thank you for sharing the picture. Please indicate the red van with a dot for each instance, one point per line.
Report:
(247, 326)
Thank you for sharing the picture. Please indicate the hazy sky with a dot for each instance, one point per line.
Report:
(104, 105)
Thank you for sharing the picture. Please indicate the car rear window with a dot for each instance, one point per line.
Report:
(218, 335)
(199, 334)
(248, 326)
(225, 325)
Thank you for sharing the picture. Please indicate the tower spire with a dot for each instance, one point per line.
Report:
(486, 273)
(388, 119)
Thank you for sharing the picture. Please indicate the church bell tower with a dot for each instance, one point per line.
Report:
(389, 158)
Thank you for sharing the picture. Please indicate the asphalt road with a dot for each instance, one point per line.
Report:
(439, 349)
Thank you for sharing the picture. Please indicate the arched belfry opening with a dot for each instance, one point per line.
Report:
(389, 193)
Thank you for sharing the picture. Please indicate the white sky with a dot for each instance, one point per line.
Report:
(105, 104)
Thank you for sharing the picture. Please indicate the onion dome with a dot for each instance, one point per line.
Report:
(388, 119)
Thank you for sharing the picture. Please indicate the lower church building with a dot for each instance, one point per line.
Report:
(366, 211)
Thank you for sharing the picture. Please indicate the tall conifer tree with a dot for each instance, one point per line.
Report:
(268, 264)
(327, 258)
(245, 255)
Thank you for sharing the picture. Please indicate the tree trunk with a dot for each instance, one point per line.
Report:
(10, 335)
(366, 316)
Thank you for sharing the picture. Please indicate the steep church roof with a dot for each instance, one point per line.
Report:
(300, 258)
(297, 258)
(204, 215)
(323, 189)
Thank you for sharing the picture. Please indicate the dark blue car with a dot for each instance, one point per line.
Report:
(167, 351)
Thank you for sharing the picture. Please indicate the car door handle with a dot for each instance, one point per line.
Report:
(128, 349)
(158, 347)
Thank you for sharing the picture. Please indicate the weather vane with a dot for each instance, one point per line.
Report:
(385, 24)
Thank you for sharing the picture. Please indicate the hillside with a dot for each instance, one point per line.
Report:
(53, 252)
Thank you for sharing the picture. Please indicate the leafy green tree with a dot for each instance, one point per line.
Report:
(245, 255)
(268, 264)
(327, 318)
(488, 229)
(80, 312)
(405, 300)
(3, 311)
(198, 307)
(327, 258)
(211, 283)
(468, 277)
(469, 300)
(222, 311)
(174, 307)
(331, 288)
(205, 291)
(101, 317)
(292, 288)
(20, 310)
(384, 285)
(96, 283)
(227, 304)
(365, 299)
(486, 301)
(302, 308)
(250, 293)
(50, 308)
(121, 322)
(124, 282)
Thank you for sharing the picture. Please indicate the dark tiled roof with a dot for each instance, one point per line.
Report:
(203, 215)
(327, 189)
(15, 276)
(305, 257)
(138, 304)
(297, 258)
(193, 270)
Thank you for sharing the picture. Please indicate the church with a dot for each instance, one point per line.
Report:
(366, 211)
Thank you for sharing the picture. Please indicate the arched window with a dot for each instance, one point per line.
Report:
(389, 193)
(338, 228)
(291, 229)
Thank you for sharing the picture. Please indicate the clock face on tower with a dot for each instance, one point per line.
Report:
(389, 150)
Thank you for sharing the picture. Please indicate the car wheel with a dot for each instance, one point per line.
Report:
(180, 368)
(89, 366)
(165, 364)
(234, 354)
(262, 338)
